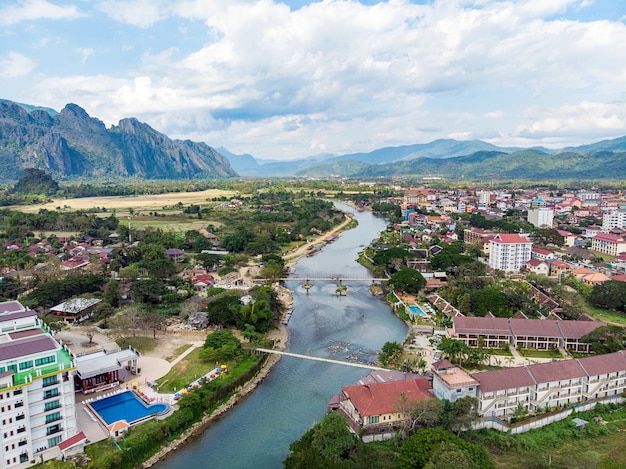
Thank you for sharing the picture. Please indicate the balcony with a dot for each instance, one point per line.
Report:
(52, 431)
(51, 395)
(51, 383)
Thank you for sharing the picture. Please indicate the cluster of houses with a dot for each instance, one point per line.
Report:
(513, 253)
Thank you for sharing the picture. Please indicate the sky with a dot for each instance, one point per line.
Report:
(291, 79)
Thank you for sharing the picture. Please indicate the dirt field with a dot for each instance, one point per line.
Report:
(141, 202)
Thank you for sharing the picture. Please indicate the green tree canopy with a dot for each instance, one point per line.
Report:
(408, 280)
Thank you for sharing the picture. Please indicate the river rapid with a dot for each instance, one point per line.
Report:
(256, 433)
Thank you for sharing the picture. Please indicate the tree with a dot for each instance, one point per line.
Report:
(490, 299)
(417, 451)
(606, 339)
(408, 280)
(449, 455)
(112, 293)
(389, 353)
(609, 295)
(423, 413)
(329, 444)
(459, 415)
(455, 350)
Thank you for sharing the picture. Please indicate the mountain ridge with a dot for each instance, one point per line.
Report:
(72, 144)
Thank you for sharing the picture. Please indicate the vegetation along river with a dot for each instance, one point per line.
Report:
(257, 432)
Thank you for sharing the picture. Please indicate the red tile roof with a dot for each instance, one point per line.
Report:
(535, 327)
(503, 379)
(578, 329)
(604, 364)
(486, 325)
(382, 398)
(504, 238)
(556, 371)
(72, 441)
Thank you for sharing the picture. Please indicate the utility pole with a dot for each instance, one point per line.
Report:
(130, 236)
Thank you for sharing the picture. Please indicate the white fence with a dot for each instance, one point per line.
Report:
(522, 427)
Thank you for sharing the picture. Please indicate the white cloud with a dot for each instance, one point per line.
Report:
(141, 13)
(84, 54)
(15, 66)
(341, 76)
(28, 10)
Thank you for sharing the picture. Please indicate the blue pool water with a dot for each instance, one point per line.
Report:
(417, 310)
(125, 406)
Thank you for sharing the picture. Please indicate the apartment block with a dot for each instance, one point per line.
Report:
(37, 405)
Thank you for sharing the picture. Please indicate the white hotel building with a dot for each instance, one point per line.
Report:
(509, 252)
(37, 404)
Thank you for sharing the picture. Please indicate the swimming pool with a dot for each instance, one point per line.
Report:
(125, 406)
(417, 310)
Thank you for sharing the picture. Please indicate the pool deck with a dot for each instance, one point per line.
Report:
(152, 369)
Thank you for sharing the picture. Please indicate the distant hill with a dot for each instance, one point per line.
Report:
(73, 144)
(523, 164)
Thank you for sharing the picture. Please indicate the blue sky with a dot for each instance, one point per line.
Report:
(290, 79)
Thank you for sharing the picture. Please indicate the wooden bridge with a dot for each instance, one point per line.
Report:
(327, 360)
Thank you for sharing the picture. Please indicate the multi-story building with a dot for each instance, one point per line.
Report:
(509, 252)
(451, 382)
(37, 405)
(541, 216)
(539, 334)
(608, 243)
(550, 385)
(614, 219)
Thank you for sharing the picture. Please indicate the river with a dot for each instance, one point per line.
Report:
(257, 432)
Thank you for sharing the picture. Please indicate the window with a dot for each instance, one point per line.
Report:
(54, 441)
(373, 419)
(19, 404)
(51, 430)
(53, 417)
(22, 429)
(20, 417)
(17, 392)
(52, 405)
(26, 365)
(44, 360)
(458, 390)
(50, 393)
(470, 389)
(49, 381)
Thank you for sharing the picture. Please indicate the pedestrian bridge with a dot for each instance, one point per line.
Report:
(342, 279)
(319, 359)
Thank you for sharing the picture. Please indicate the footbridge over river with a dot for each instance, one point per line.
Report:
(319, 359)
(336, 279)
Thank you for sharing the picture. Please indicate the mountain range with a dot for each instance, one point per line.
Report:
(71, 144)
(455, 159)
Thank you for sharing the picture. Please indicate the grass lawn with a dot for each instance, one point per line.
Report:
(610, 317)
(142, 344)
(528, 353)
(560, 445)
(184, 372)
(178, 352)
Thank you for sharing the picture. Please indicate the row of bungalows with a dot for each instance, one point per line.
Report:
(545, 386)
(540, 334)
